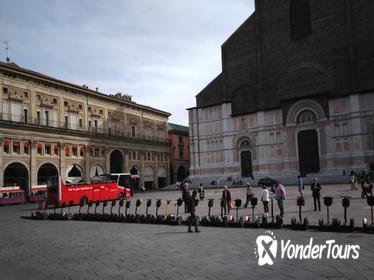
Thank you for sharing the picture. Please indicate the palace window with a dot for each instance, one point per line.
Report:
(6, 146)
(38, 117)
(56, 150)
(67, 151)
(26, 148)
(47, 149)
(39, 149)
(97, 152)
(46, 118)
(75, 151)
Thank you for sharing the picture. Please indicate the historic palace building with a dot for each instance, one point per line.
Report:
(51, 127)
(179, 152)
(295, 95)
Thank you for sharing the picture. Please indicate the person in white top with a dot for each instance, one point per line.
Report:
(265, 199)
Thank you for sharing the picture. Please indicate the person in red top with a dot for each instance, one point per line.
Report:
(226, 197)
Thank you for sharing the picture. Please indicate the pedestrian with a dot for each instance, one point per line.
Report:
(300, 185)
(226, 197)
(265, 199)
(142, 188)
(191, 206)
(185, 191)
(201, 192)
(316, 193)
(250, 194)
(280, 196)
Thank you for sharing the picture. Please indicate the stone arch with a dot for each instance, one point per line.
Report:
(148, 177)
(161, 176)
(17, 174)
(244, 147)
(96, 170)
(74, 174)
(303, 105)
(45, 171)
(117, 161)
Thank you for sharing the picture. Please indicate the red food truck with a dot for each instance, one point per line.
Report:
(112, 187)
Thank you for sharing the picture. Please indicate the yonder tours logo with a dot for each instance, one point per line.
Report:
(267, 248)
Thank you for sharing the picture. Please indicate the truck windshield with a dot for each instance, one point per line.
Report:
(125, 181)
(52, 184)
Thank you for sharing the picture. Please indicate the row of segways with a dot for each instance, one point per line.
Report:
(111, 216)
(335, 224)
(247, 222)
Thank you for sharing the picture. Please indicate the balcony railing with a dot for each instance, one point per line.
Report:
(105, 130)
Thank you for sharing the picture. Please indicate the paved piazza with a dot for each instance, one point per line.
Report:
(91, 250)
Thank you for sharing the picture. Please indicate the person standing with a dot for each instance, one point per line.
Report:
(191, 207)
(300, 185)
(265, 200)
(250, 195)
(280, 196)
(185, 191)
(201, 192)
(226, 197)
(316, 193)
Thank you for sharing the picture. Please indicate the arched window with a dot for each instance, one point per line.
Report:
(300, 20)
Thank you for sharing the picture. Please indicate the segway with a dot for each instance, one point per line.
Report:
(301, 224)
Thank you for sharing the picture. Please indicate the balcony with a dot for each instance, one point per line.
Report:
(62, 127)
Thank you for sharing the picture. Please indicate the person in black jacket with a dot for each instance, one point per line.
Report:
(184, 194)
(226, 197)
(316, 193)
(191, 208)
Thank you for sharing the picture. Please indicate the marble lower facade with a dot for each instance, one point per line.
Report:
(306, 137)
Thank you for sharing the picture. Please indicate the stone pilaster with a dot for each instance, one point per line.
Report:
(62, 164)
(1, 162)
(86, 163)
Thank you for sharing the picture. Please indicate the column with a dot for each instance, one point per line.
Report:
(107, 159)
(126, 159)
(1, 162)
(87, 163)
(62, 164)
(33, 164)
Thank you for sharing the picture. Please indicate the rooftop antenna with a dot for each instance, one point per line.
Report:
(6, 50)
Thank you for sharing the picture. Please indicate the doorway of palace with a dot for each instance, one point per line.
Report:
(246, 163)
(16, 174)
(46, 171)
(308, 151)
(116, 162)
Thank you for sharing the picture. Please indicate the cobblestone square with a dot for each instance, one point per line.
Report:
(92, 250)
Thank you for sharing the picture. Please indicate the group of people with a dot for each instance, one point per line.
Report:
(191, 201)
(361, 179)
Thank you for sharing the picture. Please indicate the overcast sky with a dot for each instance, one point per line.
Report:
(162, 52)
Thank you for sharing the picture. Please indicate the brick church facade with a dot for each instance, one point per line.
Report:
(295, 95)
